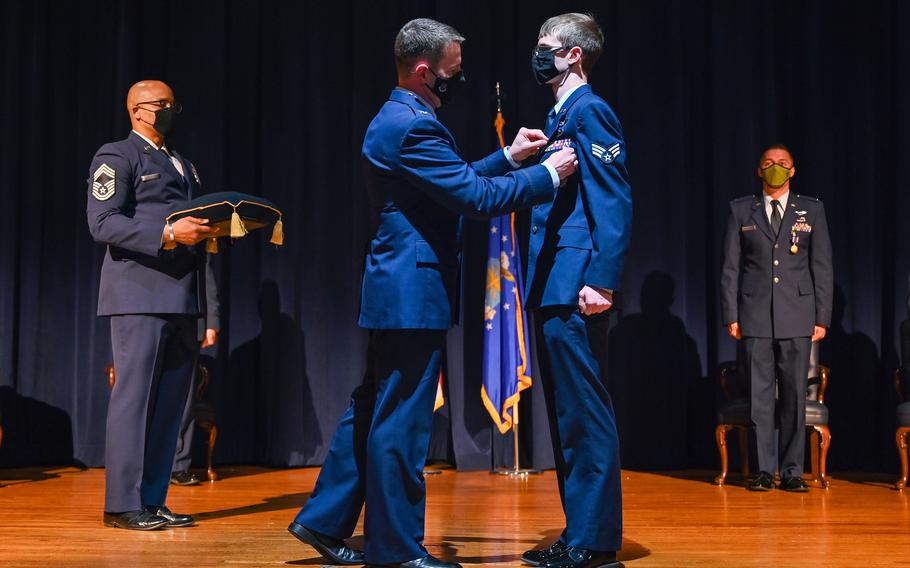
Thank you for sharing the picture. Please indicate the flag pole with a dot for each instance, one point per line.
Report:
(516, 471)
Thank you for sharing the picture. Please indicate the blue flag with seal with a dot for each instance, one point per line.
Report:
(506, 361)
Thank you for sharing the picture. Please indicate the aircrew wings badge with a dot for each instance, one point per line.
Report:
(104, 183)
(605, 154)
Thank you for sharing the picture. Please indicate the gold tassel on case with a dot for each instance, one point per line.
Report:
(277, 233)
(211, 245)
(237, 228)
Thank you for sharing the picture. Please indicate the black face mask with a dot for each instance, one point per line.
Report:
(445, 89)
(543, 63)
(165, 120)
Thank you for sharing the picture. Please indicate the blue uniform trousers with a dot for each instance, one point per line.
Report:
(154, 356)
(183, 457)
(379, 450)
(777, 371)
(571, 352)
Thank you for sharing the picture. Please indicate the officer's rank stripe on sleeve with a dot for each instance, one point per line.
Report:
(104, 183)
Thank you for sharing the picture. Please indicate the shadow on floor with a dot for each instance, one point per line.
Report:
(279, 503)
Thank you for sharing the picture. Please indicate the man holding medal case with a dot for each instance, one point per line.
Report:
(776, 293)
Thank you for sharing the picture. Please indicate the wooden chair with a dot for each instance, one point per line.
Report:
(203, 412)
(903, 427)
(733, 413)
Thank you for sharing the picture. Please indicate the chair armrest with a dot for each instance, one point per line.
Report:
(823, 372)
(111, 377)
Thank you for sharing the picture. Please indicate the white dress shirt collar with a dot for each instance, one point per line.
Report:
(562, 100)
(152, 144)
(783, 204)
(177, 165)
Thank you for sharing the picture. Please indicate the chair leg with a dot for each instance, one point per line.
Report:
(743, 451)
(901, 439)
(814, 447)
(825, 434)
(720, 436)
(213, 435)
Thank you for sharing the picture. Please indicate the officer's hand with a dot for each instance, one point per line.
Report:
(192, 230)
(819, 333)
(211, 336)
(564, 161)
(526, 143)
(594, 301)
(733, 330)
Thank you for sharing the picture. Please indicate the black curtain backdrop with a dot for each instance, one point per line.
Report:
(277, 96)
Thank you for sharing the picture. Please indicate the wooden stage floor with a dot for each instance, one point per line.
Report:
(53, 518)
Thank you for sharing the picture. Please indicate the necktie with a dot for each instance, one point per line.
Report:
(551, 118)
(775, 217)
(173, 159)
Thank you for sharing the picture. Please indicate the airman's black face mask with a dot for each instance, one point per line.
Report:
(165, 120)
(543, 64)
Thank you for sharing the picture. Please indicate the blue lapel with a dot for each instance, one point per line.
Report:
(162, 161)
(411, 99)
(554, 128)
(187, 174)
(760, 218)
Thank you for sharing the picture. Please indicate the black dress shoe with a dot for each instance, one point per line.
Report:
(135, 521)
(580, 558)
(173, 519)
(535, 557)
(762, 482)
(794, 484)
(428, 561)
(332, 549)
(184, 478)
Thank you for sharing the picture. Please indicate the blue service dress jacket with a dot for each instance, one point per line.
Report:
(777, 286)
(580, 237)
(419, 188)
(132, 188)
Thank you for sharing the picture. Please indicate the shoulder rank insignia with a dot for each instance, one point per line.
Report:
(104, 183)
(605, 155)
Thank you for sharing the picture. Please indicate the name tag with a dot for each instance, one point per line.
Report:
(747, 228)
(149, 177)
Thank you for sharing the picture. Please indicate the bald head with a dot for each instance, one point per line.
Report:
(142, 101)
(145, 91)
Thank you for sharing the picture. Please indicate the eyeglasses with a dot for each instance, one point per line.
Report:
(548, 48)
(163, 104)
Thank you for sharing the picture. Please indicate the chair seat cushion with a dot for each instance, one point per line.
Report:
(903, 414)
(734, 411)
(816, 413)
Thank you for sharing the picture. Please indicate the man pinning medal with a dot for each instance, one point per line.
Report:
(158, 290)
(776, 294)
